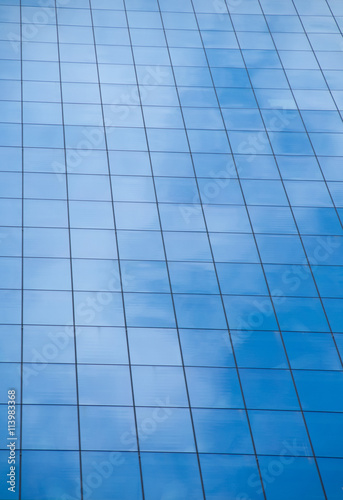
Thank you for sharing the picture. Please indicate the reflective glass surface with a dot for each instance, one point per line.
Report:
(171, 264)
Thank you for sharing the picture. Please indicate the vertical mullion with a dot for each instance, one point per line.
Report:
(117, 247)
(70, 251)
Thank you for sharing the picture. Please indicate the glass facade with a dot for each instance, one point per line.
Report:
(171, 251)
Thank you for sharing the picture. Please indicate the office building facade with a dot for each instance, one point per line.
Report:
(171, 207)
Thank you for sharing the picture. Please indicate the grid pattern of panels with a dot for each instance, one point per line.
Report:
(171, 207)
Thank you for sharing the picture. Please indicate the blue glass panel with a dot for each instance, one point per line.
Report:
(140, 245)
(303, 193)
(329, 445)
(86, 136)
(174, 140)
(129, 163)
(333, 308)
(34, 112)
(144, 276)
(187, 246)
(112, 475)
(214, 388)
(47, 274)
(268, 78)
(199, 311)
(45, 160)
(258, 349)
(276, 249)
(11, 158)
(10, 241)
(93, 390)
(91, 214)
(206, 348)
(193, 277)
(172, 164)
(324, 249)
(198, 97)
(223, 431)
(136, 216)
(317, 220)
(10, 351)
(176, 190)
(60, 470)
(174, 474)
(49, 384)
(101, 345)
(45, 213)
(10, 112)
(11, 373)
(241, 279)
(129, 139)
(312, 351)
(47, 307)
(52, 344)
(241, 119)
(10, 306)
(93, 243)
(152, 95)
(329, 280)
(147, 37)
(269, 389)
(232, 476)
(299, 167)
(293, 477)
(154, 346)
(10, 69)
(226, 219)
(149, 310)
(96, 275)
(107, 428)
(10, 134)
(234, 247)
(44, 186)
(278, 220)
(38, 91)
(80, 92)
(41, 70)
(290, 280)
(279, 433)
(331, 470)
(165, 429)
(98, 308)
(10, 270)
(318, 390)
(249, 312)
(44, 427)
(82, 114)
(307, 314)
(220, 191)
(153, 385)
(162, 117)
(181, 217)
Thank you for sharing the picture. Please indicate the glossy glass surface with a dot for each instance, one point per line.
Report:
(171, 284)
